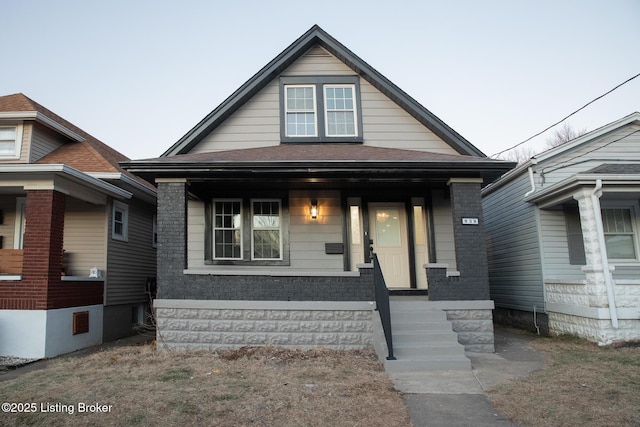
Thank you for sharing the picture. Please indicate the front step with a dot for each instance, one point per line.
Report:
(423, 339)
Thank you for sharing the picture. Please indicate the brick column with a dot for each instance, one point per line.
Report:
(43, 242)
(172, 237)
(470, 247)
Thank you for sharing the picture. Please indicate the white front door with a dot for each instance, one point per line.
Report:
(388, 224)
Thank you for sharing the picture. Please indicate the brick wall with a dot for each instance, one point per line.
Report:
(471, 252)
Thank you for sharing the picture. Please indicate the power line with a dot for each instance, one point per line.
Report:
(562, 120)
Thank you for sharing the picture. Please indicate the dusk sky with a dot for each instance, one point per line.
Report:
(140, 74)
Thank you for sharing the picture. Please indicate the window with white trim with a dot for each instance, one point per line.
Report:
(619, 233)
(266, 241)
(320, 109)
(227, 229)
(120, 221)
(10, 141)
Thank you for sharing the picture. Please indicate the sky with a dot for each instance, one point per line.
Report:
(139, 74)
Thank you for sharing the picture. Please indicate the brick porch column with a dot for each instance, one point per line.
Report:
(470, 247)
(43, 243)
(172, 237)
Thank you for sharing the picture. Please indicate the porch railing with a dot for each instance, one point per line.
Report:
(11, 261)
(382, 305)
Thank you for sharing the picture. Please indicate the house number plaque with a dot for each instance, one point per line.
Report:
(470, 221)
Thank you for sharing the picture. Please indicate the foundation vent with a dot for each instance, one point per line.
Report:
(80, 322)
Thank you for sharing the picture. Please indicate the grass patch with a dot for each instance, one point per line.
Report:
(582, 385)
(250, 386)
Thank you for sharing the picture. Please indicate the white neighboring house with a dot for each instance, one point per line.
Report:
(563, 237)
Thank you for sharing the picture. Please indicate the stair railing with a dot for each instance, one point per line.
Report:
(382, 305)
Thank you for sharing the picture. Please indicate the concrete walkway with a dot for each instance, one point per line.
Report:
(456, 398)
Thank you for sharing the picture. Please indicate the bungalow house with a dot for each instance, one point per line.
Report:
(563, 245)
(271, 208)
(76, 236)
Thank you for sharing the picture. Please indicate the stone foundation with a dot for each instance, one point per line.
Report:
(219, 324)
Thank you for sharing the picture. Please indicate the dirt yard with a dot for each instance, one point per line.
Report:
(257, 386)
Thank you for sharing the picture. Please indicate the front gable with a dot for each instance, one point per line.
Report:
(382, 115)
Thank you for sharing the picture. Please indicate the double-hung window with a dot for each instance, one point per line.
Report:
(618, 233)
(120, 221)
(320, 109)
(248, 231)
(10, 141)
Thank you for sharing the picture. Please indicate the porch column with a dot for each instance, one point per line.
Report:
(470, 247)
(43, 242)
(172, 235)
(597, 267)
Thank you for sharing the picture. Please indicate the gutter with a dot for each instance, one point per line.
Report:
(595, 199)
(125, 179)
(39, 117)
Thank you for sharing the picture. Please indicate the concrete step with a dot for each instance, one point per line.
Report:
(424, 337)
(407, 325)
(425, 352)
(418, 316)
(429, 364)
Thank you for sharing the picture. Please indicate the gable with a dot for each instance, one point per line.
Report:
(293, 59)
(256, 123)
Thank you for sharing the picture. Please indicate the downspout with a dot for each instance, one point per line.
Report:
(595, 199)
(531, 179)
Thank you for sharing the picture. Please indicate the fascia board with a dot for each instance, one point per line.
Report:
(41, 118)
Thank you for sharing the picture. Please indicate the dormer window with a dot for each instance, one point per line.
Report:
(320, 109)
(10, 142)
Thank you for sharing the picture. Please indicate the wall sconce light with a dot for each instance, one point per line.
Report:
(314, 209)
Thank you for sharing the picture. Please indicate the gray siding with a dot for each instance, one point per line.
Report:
(130, 263)
(385, 124)
(43, 142)
(84, 237)
(556, 247)
(515, 269)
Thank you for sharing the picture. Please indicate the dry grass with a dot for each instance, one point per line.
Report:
(583, 385)
(251, 386)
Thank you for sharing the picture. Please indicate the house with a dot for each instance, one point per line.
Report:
(76, 236)
(270, 208)
(563, 237)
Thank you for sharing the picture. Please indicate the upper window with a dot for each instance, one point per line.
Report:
(320, 109)
(120, 221)
(10, 141)
(618, 233)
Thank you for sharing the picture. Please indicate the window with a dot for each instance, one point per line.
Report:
(247, 231)
(227, 229)
(266, 241)
(120, 221)
(10, 141)
(154, 232)
(320, 109)
(575, 241)
(618, 233)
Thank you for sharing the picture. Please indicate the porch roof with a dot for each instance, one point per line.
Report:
(309, 159)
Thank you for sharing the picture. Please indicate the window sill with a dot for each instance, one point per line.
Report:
(82, 279)
(10, 277)
(270, 272)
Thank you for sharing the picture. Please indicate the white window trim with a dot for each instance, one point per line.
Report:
(287, 110)
(213, 231)
(354, 110)
(124, 208)
(634, 207)
(17, 143)
(21, 221)
(253, 258)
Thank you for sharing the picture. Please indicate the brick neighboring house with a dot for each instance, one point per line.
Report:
(67, 208)
(270, 207)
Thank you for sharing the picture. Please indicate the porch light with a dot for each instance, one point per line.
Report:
(314, 209)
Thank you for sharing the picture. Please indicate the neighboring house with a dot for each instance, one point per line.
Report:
(276, 198)
(563, 236)
(68, 212)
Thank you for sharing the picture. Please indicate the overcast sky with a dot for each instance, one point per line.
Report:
(140, 74)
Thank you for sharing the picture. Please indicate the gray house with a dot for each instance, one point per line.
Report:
(563, 241)
(271, 207)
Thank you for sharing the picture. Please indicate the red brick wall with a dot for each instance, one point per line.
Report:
(41, 286)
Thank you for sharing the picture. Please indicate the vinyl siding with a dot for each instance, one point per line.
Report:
(43, 142)
(513, 248)
(84, 237)
(307, 237)
(7, 227)
(443, 230)
(257, 122)
(556, 247)
(130, 263)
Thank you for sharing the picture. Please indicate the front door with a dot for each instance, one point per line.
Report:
(388, 230)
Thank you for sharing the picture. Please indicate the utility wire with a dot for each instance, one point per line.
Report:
(562, 120)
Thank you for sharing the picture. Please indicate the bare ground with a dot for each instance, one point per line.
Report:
(250, 386)
(582, 385)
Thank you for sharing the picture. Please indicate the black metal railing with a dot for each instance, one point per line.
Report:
(382, 305)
